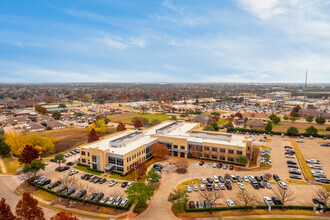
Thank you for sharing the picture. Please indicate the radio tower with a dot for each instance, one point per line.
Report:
(305, 88)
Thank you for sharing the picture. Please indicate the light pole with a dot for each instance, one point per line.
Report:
(135, 173)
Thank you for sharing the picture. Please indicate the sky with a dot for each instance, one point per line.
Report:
(251, 41)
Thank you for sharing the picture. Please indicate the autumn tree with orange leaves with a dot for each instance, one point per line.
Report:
(121, 127)
(159, 150)
(92, 136)
(27, 208)
(28, 154)
(5, 212)
(64, 216)
(138, 123)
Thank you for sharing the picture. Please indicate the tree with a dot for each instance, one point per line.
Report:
(43, 144)
(142, 169)
(16, 141)
(88, 97)
(28, 154)
(27, 208)
(272, 116)
(159, 150)
(59, 158)
(267, 158)
(64, 216)
(292, 131)
(5, 212)
(34, 167)
(241, 160)
(62, 105)
(92, 136)
(4, 148)
(245, 197)
(121, 127)
(292, 118)
(215, 126)
(43, 111)
(155, 122)
(269, 126)
(285, 195)
(173, 117)
(208, 128)
(211, 196)
(268, 176)
(311, 130)
(179, 198)
(228, 125)
(152, 176)
(37, 108)
(139, 192)
(309, 119)
(324, 195)
(182, 166)
(56, 115)
(285, 117)
(320, 120)
(238, 114)
(138, 124)
(276, 120)
(69, 182)
(98, 125)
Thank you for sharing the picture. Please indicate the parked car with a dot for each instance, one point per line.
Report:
(294, 176)
(225, 166)
(241, 185)
(261, 184)
(72, 172)
(203, 180)
(276, 201)
(69, 192)
(102, 181)
(202, 187)
(282, 184)
(209, 186)
(61, 169)
(96, 180)
(111, 200)
(214, 165)
(221, 179)
(216, 186)
(255, 185)
(313, 161)
(239, 179)
(201, 163)
(98, 197)
(245, 179)
(325, 145)
(195, 188)
(318, 201)
(199, 205)
(54, 184)
(112, 182)
(44, 182)
(207, 204)
(188, 188)
(222, 186)
(124, 184)
(268, 201)
(88, 176)
(219, 165)
(69, 163)
(291, 162)
(300, 141)
(258, 178)
(215, 178)
(268, 185)
(233, 178)
(104, 199)
(209, 180)
(83, 176)
(81, 193)
(118, 200)
(228, 186)
(230, 203)
(61, 189)
(231, 167)
(276, 177)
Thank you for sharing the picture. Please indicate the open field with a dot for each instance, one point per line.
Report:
(11, 164)
(284, 125)
(127, 117)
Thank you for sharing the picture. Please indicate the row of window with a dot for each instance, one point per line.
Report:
(117, 161)
(218, 158)
(137, 154)
(222, 150)
(176, 147)
(84, 153)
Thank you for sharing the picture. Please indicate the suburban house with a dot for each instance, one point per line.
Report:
(124, 151)
(26, 113)
(16, 121)
(34, 127)
(55, 125)
(254, 124)
(202, 119)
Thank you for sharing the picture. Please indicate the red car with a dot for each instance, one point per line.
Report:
(231, 167)
(201, 163)
(191, 204)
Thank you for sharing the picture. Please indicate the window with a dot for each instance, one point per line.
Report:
(239, 152)
(206, 148)
(230, 151)
(175, 146)
(87, 153)
(214, 157)
(182, 147)
(175, 153)
(94, 166)
(89, 161)
(83, 153)
(127, 159)
(214, 149)
(127, 167)
(206, 155)
(112, 160)
(230, 159)
(94, 158)
(83, 160)
(120, 162)
(222, 158)
(222, 150)
(120, 169)
(182, 154)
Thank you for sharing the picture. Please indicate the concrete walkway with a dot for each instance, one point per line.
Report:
(2, 165)
(267, 217)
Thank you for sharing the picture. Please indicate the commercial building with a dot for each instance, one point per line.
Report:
(278, 96)
(123, 152)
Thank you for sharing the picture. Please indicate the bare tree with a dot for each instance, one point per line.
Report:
(324, 195)
(211, 196)
(285, 195)
(88, 187)
(227, 176)
(182, 166)
(115, 194)
(69, 182)
(245, 197)
(268, 176)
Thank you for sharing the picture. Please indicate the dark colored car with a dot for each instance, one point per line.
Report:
(61, 169)
(221, 179)
(228, 186)
(102, 181)
(291, 162)
(239, 179)
(45, 182)
(70, 191)
(233, 179)
(276, 201)
(69, 163)
(263, 178)
(209, 186)
(293, 176)
(93, 178)
(54, 184)
(210, 180)
(52, 160)
(61, 189)
(91, 197)
(262, 185)
(290, 152)
(124, 184)
(219, 165)
(88, 176)
(83, 176)
(191, 205)
(318, 201)
(201, 163)
(98, 197)
(258, 178)
(96, 180)
(81, 193)
(255, 185)
(295, 172)
(293, 166)
(231, 167)
(276, 177)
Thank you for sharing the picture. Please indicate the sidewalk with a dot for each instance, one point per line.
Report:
(3, 167)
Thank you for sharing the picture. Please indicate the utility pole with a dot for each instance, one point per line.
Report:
(305, 89)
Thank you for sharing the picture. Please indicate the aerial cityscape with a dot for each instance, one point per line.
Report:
(164, 109)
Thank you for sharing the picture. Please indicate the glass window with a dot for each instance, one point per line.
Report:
(94, 158)
(83, 153)
(120, 169)
(239, 152)
(230, 159)
(206, 155)
(83, 160)
(182, 147)
(175, 153)
(120, 162)
(206, 148)
(87, 153)
(94, 166)
(222, 158)
(223, 150)
(112, 160)
(175, 146)
(214, 157)
(230, 151)
(214, 149)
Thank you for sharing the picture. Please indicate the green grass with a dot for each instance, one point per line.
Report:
(85, 169)
(150, 117)
(188, 182)
(11, 164)
(266, 147)
(222, 121)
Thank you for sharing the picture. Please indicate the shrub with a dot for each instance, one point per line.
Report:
(140, 207)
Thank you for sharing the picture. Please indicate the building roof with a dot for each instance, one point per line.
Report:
(34, 126)
(254, 122)
(55, 124)
(202, 118)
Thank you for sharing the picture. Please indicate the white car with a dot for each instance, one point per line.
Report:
(241, 185)
(202, 187)
(251, 178)
(222, 186)
(300, 141)
(112, 182)
(129, 184)
(268, 201)
(313, 161)
(282, 184)
(245, 179)
(215, 186)
(289, 156)
(216, 179)
(188, 188)
(214, 165)
(72, 172)
(268, 185)
(195, 187)
(316, 166)
(230, 203)
(203, 180)
(111, 200)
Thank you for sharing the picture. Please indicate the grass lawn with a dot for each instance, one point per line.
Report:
(127, 117)
(295, 181)
(302, 161)
(188, 182)
(266, 147)
(11, 164)
(85, 169)
(222, 121)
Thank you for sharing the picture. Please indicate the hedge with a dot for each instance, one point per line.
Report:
(251, 207)
(140, 207)
(90, 169)
(81, 200)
